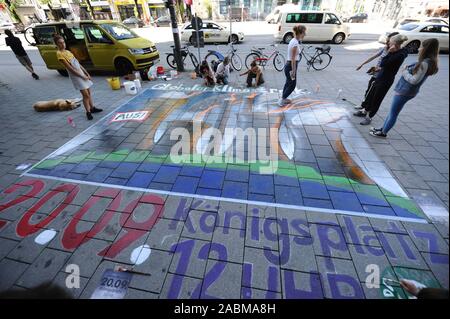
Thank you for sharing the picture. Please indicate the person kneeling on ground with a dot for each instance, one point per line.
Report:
(223, 71)
(207, 74)
(254, 72)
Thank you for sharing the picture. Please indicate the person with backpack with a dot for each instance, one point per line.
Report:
(16, 46)
(413, 76)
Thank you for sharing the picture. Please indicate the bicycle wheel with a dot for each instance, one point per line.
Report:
(236, 62)
(250, 58)
(278, 62)
(194, 61)
(171, 61)
(321, 61)
(212, 57)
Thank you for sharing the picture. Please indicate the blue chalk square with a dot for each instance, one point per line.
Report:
(370, 195)
(237, 173)
(160, 186)
(185, 184)
(116, 181)
(345, 201)
(140, 179)
(167, 174)
(288, 195)
(109, 164)
(261, 198)
(261, 184)
(62, 170)
(99, 174)
(149, 167)
(314, 189)
(84, 168)
(379, 210)
(212, 179)
(125, 170)
(75, 176)
(194, 171)
(209, 192)
(320, 203)
(286, 180)
(235, 190)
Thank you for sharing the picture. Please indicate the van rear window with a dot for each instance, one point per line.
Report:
(304, 18)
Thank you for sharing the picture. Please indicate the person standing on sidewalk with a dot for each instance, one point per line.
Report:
(413, 76)
(290, 69)
(385, 77)
(380, 55)
(80, 77)
(16, 46)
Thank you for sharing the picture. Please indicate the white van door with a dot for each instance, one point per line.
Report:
(331, 26)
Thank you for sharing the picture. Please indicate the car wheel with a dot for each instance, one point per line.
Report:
(413, 46)
(288, 37)
(338, 38)
(234, 39)
(123, 66)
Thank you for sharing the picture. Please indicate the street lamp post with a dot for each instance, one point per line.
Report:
(176, 35)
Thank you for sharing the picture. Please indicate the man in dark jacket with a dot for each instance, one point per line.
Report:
(387, 70)
(16, 46)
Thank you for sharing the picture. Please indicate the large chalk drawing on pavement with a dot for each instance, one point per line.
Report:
(322, 162)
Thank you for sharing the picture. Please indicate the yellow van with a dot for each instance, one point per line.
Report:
(98, 45)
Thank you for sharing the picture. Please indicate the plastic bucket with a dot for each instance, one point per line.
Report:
(114, 83)
(137, 83)
(130, 87)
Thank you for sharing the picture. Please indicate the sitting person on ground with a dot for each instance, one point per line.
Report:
(254, 73)
(207, 74)
(223, 71)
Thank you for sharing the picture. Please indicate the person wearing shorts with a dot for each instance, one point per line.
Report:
(16, 46)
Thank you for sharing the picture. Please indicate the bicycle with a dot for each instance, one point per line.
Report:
(258, 55)
(184, 53)
(235, 60)
(319, 60)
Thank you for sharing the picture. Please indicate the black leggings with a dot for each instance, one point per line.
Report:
(376, 95)
(369, 87)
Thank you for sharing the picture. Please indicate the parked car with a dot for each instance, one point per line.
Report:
(417, 32)
(437, 20)
(133, 22)
(321, 26)
(358, 18)
(212, 33)
(162, 21)
(411, 20)
(7, 26)
(98, 45)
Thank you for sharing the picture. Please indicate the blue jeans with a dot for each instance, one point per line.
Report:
(396, 107)
(290, 84)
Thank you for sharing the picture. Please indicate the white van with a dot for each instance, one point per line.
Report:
(320, 26)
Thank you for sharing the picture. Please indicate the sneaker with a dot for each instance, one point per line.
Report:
(366, 121)
(377, 133)
(35, 76)
(360, 113)
(373, 129)
(96, 110)
(288, 101)
(358, 107)
(89, 116)
(282, 102)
